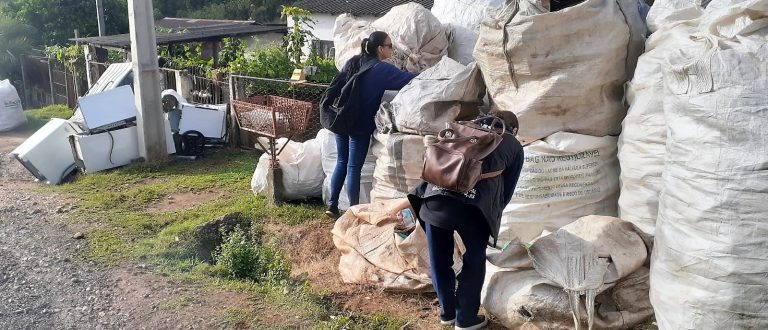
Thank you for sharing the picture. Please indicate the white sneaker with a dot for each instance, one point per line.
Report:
(449, 322)
(482, 324)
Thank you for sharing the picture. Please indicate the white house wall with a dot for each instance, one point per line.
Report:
(323, 28)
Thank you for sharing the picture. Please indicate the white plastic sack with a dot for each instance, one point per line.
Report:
(399, 161)
(665, 12)
(441, 94)
(561, 71)
(564, 177)
(644, 132)
(302, 178)
(373, 253)
(348, 33)
(420, 40)
(418, 37)
(464, 16)
(11, 113)
(327, 142)
(530, 289)
(710, 257)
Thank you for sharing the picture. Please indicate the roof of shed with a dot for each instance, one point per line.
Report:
(356, 7)
(198, 34)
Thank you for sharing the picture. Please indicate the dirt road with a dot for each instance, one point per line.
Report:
(45, 285)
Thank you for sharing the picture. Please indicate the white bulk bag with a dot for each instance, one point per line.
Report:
(348, 32)
(538, 288)
(373, 253)
(327, 141)
(302, 178)
(441, 94)
(11, 113)
(420, 40)
(665, 12)
(464, 16)
(399, 161)
(561, 71)
(644, 131)
(710, 256)
(564, 177)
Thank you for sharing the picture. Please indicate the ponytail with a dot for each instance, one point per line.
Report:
(369, 46)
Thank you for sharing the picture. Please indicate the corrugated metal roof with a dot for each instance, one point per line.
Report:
(356, 7)
(210, 33)
(178, 23)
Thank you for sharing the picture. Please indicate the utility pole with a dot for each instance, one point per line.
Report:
(146, 82)
(100, 17)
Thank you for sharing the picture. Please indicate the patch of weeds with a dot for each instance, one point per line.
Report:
(246, 257)
(105, 247)
(237, 318)
(38, 117)
(175, 304)
(354, 322)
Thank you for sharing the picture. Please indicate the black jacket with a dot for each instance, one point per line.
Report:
(489, 196)
(336, 113)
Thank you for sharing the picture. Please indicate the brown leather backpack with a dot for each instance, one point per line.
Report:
(455, 161)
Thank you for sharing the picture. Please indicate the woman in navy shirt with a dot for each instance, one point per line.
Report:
(352, 148)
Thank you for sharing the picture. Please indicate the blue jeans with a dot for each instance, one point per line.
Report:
(462, 303)
(350, 151)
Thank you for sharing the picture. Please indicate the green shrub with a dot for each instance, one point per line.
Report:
(245, 257)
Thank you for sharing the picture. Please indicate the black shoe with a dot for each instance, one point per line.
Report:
(481, 323)
(332, 212)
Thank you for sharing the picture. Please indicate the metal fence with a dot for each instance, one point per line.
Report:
(243, 87)
(168, 79)
(209, 91)
(46, 82)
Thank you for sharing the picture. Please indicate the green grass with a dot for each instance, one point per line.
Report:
(38, 117)
(114, 205)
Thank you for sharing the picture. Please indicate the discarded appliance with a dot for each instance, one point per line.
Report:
(210, 120)
(116, 75)
(46, 153)
(102, 151)
(111, 138)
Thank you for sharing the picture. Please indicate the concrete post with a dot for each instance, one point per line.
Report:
(146, 82)
(88, 70)
(184, 84)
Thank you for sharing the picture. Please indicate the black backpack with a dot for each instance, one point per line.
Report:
(335, 112)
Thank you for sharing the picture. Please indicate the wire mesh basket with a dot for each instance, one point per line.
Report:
(272, 116)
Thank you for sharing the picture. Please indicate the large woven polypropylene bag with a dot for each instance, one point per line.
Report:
(418, 37)
(301, 177)
(561, 71)
(11, 113)
(444, 93)
(372, 253)
(399, 161)
(644, 131)
(710, 259)
(588, 272)
(464, 16)
(564, 177)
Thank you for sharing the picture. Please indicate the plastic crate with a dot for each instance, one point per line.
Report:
(272, 116)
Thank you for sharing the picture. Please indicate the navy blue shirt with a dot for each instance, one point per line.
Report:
(373, 83)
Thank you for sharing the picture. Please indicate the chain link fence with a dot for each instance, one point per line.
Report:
(244, 87)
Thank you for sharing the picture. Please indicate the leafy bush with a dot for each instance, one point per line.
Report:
(326, 68)
(245, 257)
(16, 39)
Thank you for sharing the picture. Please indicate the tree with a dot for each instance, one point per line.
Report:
(16, 39)
(300, 33)
(57, 20)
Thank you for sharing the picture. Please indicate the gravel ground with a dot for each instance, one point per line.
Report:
(43, 285)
